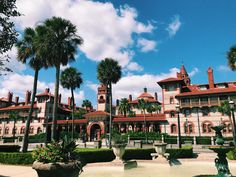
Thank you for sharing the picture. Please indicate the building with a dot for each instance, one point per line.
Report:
(198, 104)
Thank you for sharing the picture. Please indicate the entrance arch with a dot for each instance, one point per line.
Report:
(95, 130)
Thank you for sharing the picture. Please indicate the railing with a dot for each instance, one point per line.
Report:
(214, 102)
(184, 105)
(195, 104)
(204, 103)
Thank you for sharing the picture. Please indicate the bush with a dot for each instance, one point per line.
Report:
(16, 158)
(144, 154)
(203, 140)
(9, 148)
(8, 139)
(184, 152)
(141, 135)
(232, 154)
(95, 155)
(170, 140)
(39, 138)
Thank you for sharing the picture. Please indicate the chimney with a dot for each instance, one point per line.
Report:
(59, 99)
(47, 90)
(9, 97)
(69, 101)
(145, 89)
(156, 96)
(210, 77)
(130, 97)
(16, 100)
(117, 102)
(27, 97)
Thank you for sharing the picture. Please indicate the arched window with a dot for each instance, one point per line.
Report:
(39, 130)
(6, 130)
(31, 131)
(173, 128)
(206, 127)
(228, 128)
(22, 130)
(188, 127)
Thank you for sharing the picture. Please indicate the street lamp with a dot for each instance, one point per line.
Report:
(177, 107)
(231, 104)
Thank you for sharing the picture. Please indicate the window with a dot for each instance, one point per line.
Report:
(22, 130)
(188, 127)
(39, 130)
(173, 128)
(228, 128)
(31, 131)
(172, 114)
(171, 100)
(6, 130)
(187, 112)
(206, 127)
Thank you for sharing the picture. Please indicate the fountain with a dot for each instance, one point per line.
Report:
(160, 154)
(221, 162)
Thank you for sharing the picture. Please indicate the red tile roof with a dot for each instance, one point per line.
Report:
(208, 91)
(96, 114)
(140, 118)
(146, 95)
(149, 100)
(171, 79)
(18, 107)
(77, 121)
(45, 94)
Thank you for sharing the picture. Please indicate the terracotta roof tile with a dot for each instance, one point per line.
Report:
(96, 113)
(171, 79)
(18, 107)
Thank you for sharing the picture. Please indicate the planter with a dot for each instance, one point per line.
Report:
(70, 169)
(119, 150)
(160, 148)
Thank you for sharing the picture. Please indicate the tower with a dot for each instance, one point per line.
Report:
(102, 98)
(184, 75)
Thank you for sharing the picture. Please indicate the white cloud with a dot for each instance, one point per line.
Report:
(134, 84)
(106, 30)
(62, 68)
(174, 26)
(19, 84)
(133, 66)
(146, 45)
(193, 72)
(223, 68)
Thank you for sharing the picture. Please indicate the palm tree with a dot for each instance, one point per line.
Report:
(71, 79)
(15, 116)
(87, 104)
(58, 45)
(224, 108)
(108, 73)
(143, 106)
(27, 51)
(231, 56)
(124, 106)
(153, 107)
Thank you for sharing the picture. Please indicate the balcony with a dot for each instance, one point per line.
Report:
(204, 103)
(214, 102)
(195, 104)
(185, 105)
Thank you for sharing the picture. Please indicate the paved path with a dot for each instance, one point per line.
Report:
(204, 164)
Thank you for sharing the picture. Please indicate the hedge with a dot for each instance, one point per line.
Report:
(9, 148)
(184, 152)
(141, 154)
(16, 158)
(232, 154)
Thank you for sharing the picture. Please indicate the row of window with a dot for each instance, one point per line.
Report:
(22, 120)
(22, 130)
(206, 127)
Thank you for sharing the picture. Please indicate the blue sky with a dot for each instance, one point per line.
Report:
(150, 39)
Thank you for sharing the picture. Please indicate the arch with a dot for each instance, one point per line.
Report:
(22, 130)
(206, 126)
(173, 128)
(6, 130)
(99, 128)
(228, 128)
(39, 130)
(31, 130)
(188, 128)
(95, 132)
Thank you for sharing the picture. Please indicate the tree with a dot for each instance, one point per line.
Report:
(27, 52)
(124, 106)
(143, 106)
(71, 79)
(153, 107)
(4, 69)
(108, 73)
(87, 104)
(231, 56)
(224, 108)
(58, 45)
(8, 34)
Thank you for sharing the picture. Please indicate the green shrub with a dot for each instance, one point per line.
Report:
(232, 154)
(16, 158)
(87, 155)
(9, 148)
(203, 140)
(9, 139)
(144, 154)
(142, 136)
(170, 140)
(184, 152)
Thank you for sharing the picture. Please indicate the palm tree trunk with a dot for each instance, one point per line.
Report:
(26, 134)
(14, 127)
(110, 120)
(73, 111)
(55, 105)
(145, 125)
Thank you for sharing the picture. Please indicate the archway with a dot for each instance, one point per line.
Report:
(95, 132)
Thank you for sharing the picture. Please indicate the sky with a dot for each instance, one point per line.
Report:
(150, 39)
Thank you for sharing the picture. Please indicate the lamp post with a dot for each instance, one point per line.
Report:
(177, 107)
(231, 104)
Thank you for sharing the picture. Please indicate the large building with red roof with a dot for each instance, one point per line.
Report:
(198, 110)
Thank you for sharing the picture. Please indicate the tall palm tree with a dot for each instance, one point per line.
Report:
(124, 106)
(108, 73)
(87, 104)
(58, 44)
(143, 106)
(27, 51)
(231, 56)
(15, 116)
(224, 108)
(71, 79)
